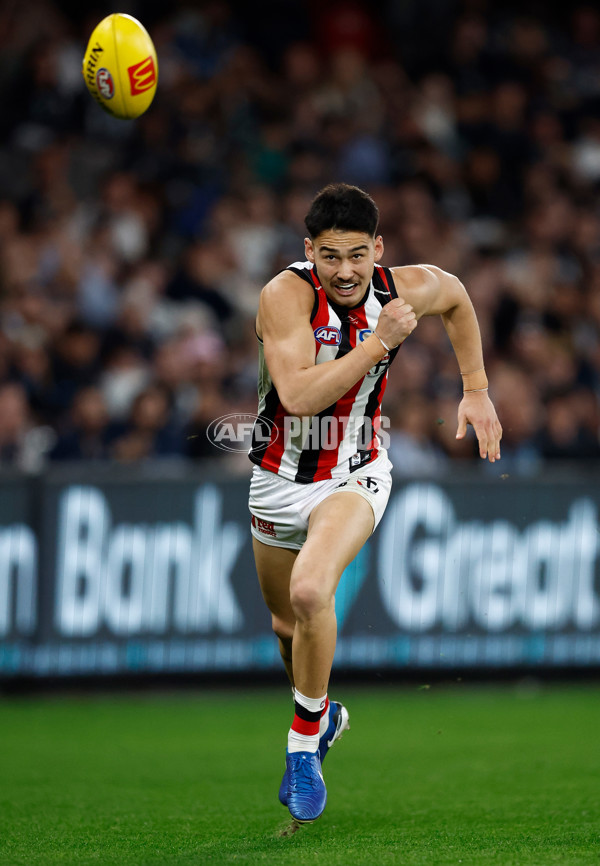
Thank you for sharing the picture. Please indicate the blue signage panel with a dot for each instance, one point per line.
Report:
(108, 573)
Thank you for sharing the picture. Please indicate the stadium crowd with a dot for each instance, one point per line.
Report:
(132, 254)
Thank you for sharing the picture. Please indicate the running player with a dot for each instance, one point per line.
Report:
(328, 330)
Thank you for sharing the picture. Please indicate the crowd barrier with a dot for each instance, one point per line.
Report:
(108, 571)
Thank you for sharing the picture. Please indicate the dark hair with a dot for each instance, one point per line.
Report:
(343, 208)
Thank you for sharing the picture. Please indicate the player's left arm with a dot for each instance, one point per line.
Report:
(432, 291)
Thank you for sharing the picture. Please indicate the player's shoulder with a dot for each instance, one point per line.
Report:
(414, 277)
(287, 290)
(285, 282)
(425, 287)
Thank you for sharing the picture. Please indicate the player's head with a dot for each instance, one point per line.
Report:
(341, 207)
(343, 243)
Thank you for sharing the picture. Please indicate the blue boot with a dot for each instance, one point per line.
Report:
(306, 793)
(338, 723)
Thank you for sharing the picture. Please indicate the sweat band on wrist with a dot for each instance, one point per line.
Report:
(367, 346)
(476, 380)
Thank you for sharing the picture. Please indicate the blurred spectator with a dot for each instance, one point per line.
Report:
(86, 434)
(22, 444)
(199, 278)
(15, 423)
(150, 430)
(564, 436)
(75, 364)
(126, 373)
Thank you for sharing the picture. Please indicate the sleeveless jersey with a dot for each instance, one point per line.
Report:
(343, 437)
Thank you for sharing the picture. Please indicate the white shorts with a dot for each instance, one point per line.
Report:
(280, 508)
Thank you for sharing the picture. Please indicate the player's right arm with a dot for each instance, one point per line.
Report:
(284, 325)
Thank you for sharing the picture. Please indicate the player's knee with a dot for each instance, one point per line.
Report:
(308, 599)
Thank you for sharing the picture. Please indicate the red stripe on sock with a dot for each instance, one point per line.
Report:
(308, 729)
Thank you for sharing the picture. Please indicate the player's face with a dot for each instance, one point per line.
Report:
(344, 263)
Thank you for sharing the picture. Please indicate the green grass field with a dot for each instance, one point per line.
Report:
(425, 776)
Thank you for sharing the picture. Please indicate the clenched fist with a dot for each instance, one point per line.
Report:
(396, 321)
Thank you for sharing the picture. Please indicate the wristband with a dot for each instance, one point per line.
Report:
(473, 390)
(371, 349)
(475, 380)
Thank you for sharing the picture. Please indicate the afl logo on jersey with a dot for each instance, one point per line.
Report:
(327, 335)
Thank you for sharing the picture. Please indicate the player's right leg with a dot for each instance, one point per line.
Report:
(274, 567)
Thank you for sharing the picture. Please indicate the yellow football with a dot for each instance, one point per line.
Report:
(120, 66)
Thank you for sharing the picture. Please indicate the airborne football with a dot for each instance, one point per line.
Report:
(120, 68)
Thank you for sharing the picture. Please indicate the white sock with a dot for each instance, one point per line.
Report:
(313, 705)
(298, 741)
(302, 742)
